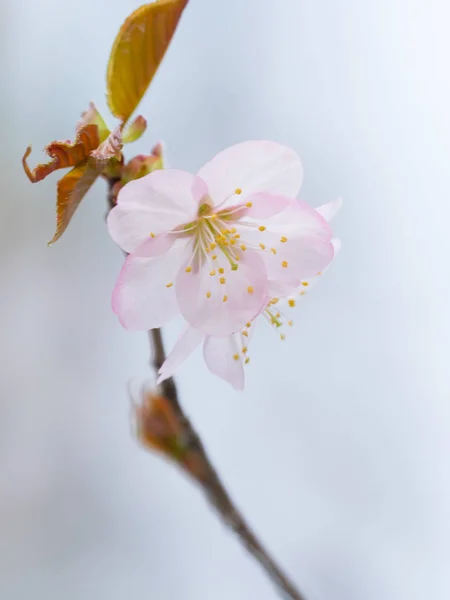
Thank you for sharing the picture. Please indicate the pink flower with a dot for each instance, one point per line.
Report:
(227, 356)
(207, 245)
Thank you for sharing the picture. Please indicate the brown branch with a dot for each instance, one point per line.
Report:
(214, 488)
(191, 454)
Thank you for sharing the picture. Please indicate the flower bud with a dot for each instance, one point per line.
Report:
(160, 427)
(142, 165)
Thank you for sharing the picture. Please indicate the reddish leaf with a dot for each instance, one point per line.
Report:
(64, 153)
(71, 190)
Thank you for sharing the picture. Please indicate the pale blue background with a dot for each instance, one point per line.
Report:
(338, 450)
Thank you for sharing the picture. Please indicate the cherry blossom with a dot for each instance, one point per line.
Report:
(226, 357)
(214, 246)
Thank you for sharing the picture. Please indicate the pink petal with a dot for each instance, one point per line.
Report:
(286, 291)
(296, 244)
(220, 357)
(187, 342)
(155, 246)
(155, 204)
(252, 167)
(328, 211)
(282, 289)
(336, 245)
(222, 308)
(143, 297)
(305, 257)
(264, 205)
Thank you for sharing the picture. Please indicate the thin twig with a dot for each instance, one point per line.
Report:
(214, 488)
(209, 479)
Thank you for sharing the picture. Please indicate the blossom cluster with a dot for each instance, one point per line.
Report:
(222, 247)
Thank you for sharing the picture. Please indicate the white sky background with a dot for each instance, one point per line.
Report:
(338, 450)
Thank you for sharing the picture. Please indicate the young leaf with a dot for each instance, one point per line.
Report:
(64, 153)
(91, 116)
(71, 190)
(134, 130)
(109, 149)
(137, 52)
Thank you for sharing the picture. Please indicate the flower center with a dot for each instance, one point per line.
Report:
(215, 236)
(213, 231)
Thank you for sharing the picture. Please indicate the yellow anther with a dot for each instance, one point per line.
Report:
(273, 250)
(225, 298)
(249, 205)
(274, 301)
(262, 246)
(283, 239)
(237, 257)
(302, 293)
(262, 227)
(290, 323)
(208, 249)
(250, 289)
(245, 333)
(213, 272)
(233, 230)
(213, 245)
(291, 302)
(233, 242)
(278, 315)
(222, 280)
(282, 337)
(237, 235)
(248, 324)
(284, 264)
(208, 294)
(214, 256)
(152, 234)
(247, 360)
(225, 242)
(244, 350)
(169, 285)
(243, 247)
(236, 356)
(305, 283)
(213, 217)
(221, 270)
(188, 269)
(238, 191)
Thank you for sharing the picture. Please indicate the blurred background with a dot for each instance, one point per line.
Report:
(338, 449)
